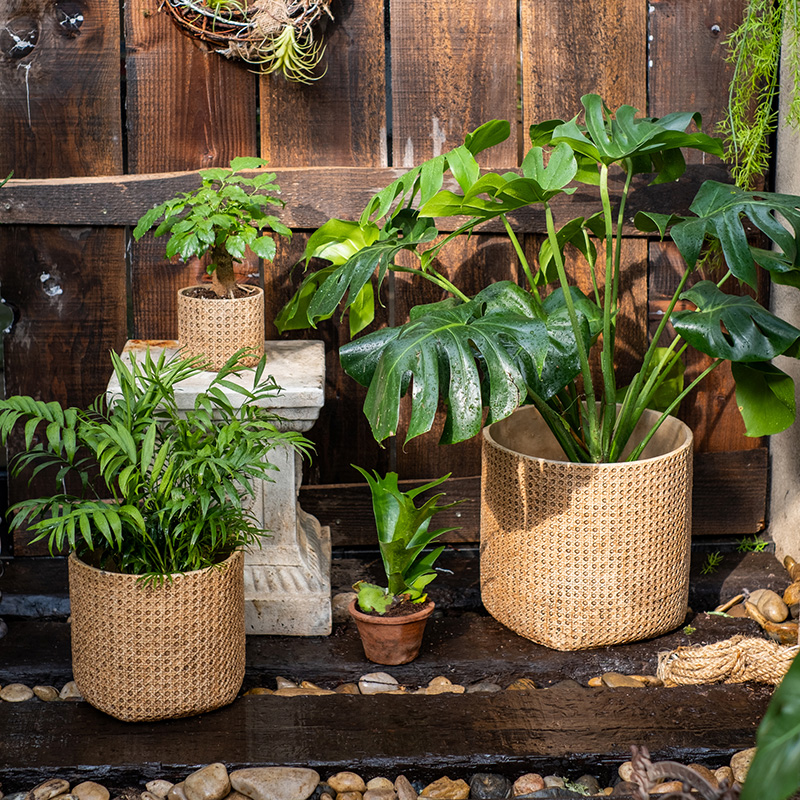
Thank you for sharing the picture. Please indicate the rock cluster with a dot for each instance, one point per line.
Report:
(214, 782)
(19, 693)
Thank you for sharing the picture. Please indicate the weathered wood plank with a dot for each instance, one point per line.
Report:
(728, 498)
(186, 108)
(60, 88)
(341, 118)
(67, 286)
(586, 46)
(687, 68)
(312, 196)
(454, 66)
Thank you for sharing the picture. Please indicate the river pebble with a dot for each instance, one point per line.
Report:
(275, 783)
(16, 693)
(404, 789)
(489, 786)
(346, 782)
(46, 693)
(208, 783)
(740, 763)
(530, 782)
(377, 683)
(446, 789)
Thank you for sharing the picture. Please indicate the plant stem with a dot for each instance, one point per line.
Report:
(436, 278)
(521, 256)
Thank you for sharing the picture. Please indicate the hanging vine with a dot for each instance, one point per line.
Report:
(754, 50)
(274, 35)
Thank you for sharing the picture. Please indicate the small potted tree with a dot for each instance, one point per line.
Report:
(155, 529)
(391, 620)
(227, 214)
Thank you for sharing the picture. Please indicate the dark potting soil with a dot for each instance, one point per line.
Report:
(201, 293)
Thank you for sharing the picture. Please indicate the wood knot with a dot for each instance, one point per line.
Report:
(69, 17)
(19, 36)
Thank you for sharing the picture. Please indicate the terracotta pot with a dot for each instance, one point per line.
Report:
(148, 653)
(391, 640)
(218, 328)
(584, 555)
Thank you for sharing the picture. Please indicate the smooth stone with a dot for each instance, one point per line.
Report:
(380, 783)
(176, 792)
(149, 796)
(89, 790)
(49, 789)
(625, 771)
(521, 685)
(70, 691)
(340, 606)
(209, 783)
(667, 787)
(772, 606)
(755, 596)
(705, 772)
(648, 680)
(792, 594)
(15, 796)
(442, 685)
(323, 788)
(275, 783)
(259, 690)
(234, 795)
(530, 782)
(738, 611)
(349, 796)
(782, 632)
(568, 683)
(489, 786)
(309, 685)
(616, 680)
(553, 782)
(740, 763)
(298, 691)
(404, 789)
(377, 683)
(724, 774)
(590, 783)
(347, 688)
(624, 788)
(46, 693)
(595, 681)
(284, 683)
(343, 782)
(447, 789)
(16, 693)
(380, 794)
(484, 686)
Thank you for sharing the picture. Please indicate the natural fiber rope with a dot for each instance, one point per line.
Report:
(733, 660)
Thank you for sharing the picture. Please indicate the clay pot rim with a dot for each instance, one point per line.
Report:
(360, 616)
(253, 291)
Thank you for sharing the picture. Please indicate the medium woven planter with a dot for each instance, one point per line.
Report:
(575, 556)
(143, 653)
(217, 328)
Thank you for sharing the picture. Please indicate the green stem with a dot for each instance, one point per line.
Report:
(436, 278)
(583, 357)
(521, 256)
(609, 294)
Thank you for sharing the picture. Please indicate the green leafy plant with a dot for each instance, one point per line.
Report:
(751, 544)
(160, 489)
(689, 630)
(508, 345)
(774, 773)
(223, 217)
(755, 51)
(711, 563)
(403, 535)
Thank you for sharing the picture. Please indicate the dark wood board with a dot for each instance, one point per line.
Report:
(688, 71)
(186, 108)
(585, 46)
(454, 66)
(62, 112)
(312, 195)
(340, 119)
(67, 286)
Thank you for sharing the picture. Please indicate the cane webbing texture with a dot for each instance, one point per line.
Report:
(218, 328)
(142, 653)
(575, 556)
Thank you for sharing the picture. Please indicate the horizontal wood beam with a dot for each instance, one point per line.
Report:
(312, 195)
(728, 498)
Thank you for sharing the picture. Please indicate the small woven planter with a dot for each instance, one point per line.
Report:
(142, 653)
(575, 556)
(218, 328)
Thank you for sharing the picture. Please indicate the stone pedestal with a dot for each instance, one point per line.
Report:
(286, 578)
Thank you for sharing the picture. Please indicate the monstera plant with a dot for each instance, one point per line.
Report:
(508, 345)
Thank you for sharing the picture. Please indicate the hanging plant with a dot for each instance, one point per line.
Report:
(274, 35)
(754, 49)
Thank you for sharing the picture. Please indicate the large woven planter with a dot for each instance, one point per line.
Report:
(143, 653)
(583, 555)
(217, 328)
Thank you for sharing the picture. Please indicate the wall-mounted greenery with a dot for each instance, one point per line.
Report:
(755, 52)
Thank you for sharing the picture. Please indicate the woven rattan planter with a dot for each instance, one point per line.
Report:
(217, 328)
(156, 653)
(583, 555)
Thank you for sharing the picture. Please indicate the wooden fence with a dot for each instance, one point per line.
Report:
(96, 135)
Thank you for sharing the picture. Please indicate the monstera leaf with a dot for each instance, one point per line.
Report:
(732, 327)
(483, 353)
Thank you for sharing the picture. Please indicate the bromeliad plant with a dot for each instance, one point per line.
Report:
(403, 536)
(227, 214)
(509, 345)
(160, 489)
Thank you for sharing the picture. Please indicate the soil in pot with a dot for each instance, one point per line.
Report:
(392, 639)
